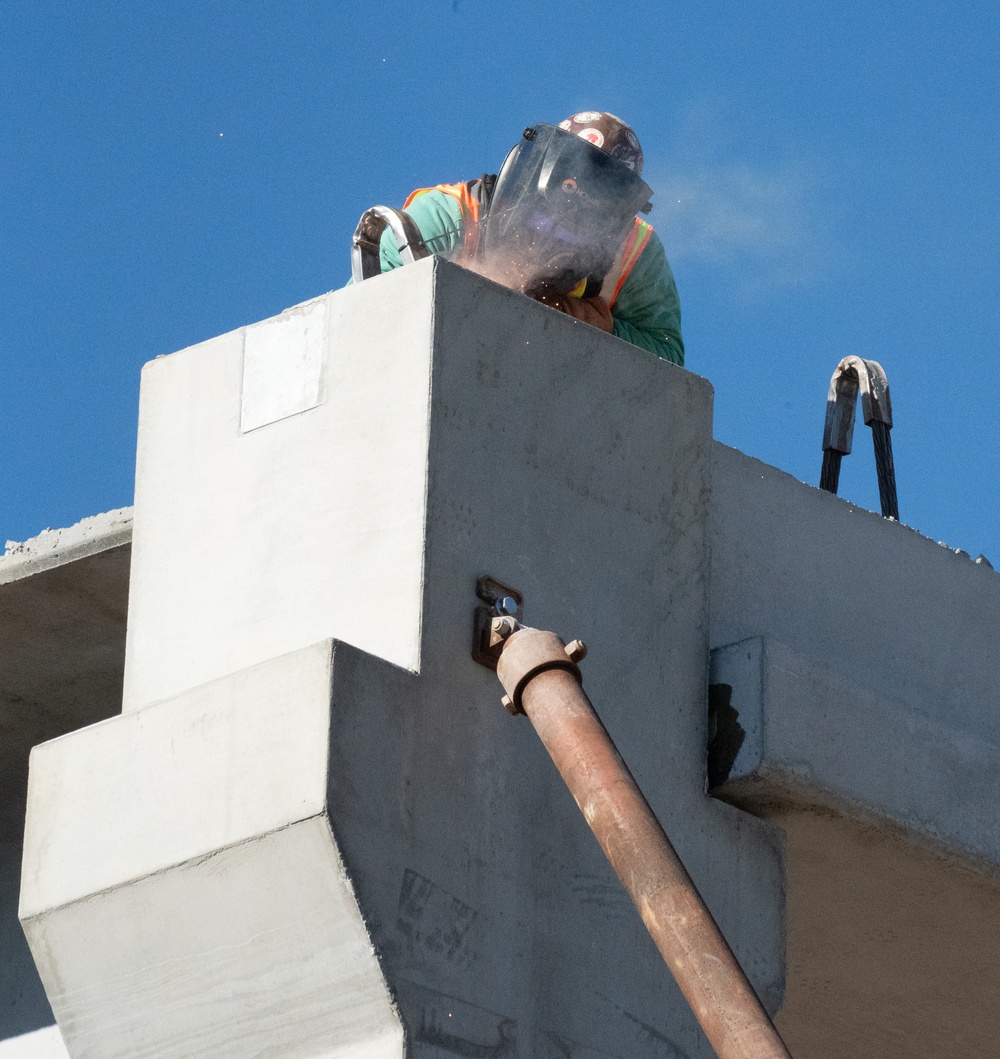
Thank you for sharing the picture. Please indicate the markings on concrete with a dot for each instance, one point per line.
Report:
(283, 362)
(455, 1027)
(433, 920)
(647, 1040)
(555, 1047)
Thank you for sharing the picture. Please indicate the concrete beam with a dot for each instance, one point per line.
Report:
(63, 598)
(794, 731)
(856, 689)
(460, 430)
(873, 600)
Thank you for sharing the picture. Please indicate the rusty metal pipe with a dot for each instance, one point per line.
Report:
(542, 680)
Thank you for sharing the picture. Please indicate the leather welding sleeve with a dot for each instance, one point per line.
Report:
(647, 311)
(439, 218)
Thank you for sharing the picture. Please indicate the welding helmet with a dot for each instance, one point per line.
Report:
(560, 210)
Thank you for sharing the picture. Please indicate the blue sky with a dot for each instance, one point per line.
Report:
(827, 182)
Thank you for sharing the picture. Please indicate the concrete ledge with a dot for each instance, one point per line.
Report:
(899, 614)
(791, 730)
(182, 892)
(55, 547)
(231, 760)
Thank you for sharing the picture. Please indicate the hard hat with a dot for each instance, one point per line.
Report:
(608, 133)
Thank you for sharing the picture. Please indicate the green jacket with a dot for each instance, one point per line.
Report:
(647, 311)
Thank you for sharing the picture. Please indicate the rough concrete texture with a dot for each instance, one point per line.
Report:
(875, 601)
(464, 430)
(98, 533)
(63, 598)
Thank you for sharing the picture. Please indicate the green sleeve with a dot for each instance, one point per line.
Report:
(439, 218)
(647, 311)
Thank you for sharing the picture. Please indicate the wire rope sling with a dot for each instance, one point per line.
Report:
(854, 374)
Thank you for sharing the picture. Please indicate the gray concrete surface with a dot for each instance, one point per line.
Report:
(274, 807)
(873, 600)
(517, 443)
(859, 660)
(810, 734)
(46, 1043)
(63, 598)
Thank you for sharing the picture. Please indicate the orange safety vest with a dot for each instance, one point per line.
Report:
(629, 253)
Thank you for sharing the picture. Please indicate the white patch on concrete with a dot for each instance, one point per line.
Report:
(46, 1043)
(283, 362)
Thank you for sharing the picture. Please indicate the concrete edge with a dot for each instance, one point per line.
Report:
(55, 547)
(728, 452)
(27, 915)
(775, 791)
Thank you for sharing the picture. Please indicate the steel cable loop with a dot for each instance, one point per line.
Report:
(854, 375)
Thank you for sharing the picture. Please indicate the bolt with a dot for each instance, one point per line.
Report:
(501, 629)
(577, 650)
(507, 605)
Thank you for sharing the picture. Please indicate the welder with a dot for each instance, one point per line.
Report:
(561, 223)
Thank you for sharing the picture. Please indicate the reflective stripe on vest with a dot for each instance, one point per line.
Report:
(632, 248)
(469, 206)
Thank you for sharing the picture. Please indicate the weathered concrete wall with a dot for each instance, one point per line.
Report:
(561, 460)
(892, 948)
(62, 648)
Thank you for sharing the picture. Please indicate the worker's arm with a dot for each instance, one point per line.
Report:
(647, 311)
(439, 218)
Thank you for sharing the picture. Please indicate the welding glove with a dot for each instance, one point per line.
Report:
(593, 311)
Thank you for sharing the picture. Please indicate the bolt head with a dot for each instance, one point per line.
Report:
(507, 605)
(577, 650)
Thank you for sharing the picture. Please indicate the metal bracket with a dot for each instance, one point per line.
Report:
(502, 605)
